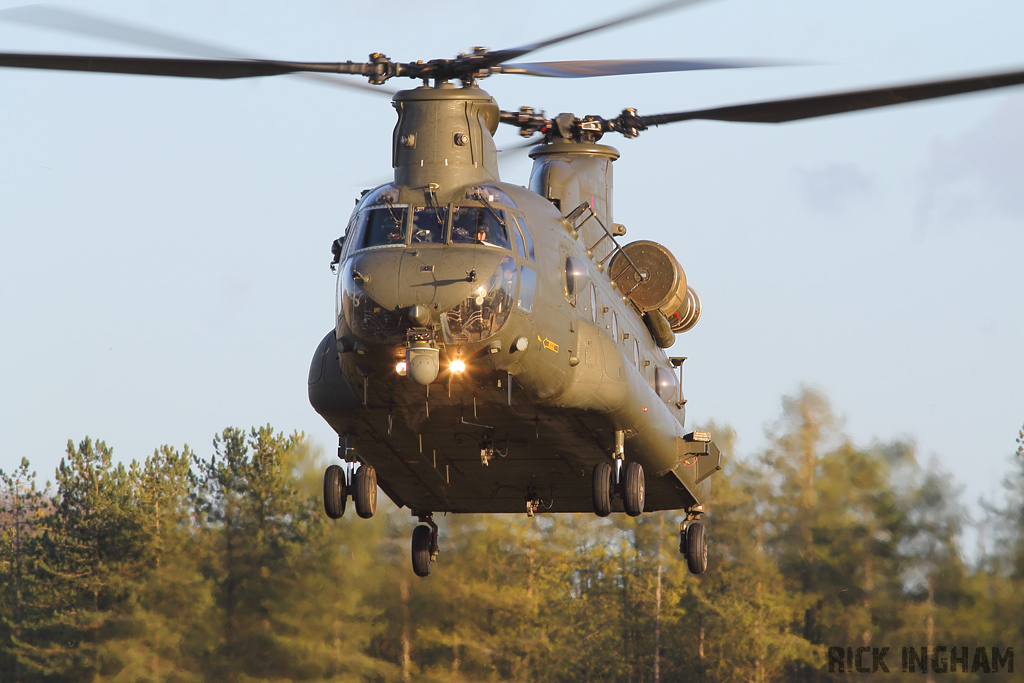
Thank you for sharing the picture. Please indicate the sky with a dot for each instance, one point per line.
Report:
(164, 265)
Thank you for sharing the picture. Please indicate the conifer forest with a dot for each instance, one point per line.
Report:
(827, 558)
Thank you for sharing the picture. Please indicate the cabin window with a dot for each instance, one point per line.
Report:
(521, 222)
(527, 288)
(665, 384)
(428, 224)
(576, 277)
(479, 225)
(381, 226)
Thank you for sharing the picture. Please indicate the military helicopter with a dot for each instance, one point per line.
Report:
(496, 348)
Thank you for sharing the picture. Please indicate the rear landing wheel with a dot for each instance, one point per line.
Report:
(632, 489)
(421, 550)
(603, 488)
(334, 492)
(696, 548)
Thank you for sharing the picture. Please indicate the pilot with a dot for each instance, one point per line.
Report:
(383, 228)
(491, 233)
(393, 230)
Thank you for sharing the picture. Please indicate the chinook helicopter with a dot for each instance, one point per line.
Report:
(498, 347)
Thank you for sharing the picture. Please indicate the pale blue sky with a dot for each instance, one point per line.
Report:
(165, 241)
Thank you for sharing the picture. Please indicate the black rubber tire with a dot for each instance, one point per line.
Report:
(603, 488)
(421, 550)
(364, 491)
(334, 492)
(696, 548)
(633, 490)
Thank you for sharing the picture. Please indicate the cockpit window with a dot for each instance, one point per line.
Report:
(428, 224)
(486, 309)
(526, 233)
(479, 225)
(382, 226)
(385, 194)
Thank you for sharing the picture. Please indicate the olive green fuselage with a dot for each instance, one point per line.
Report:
(489, 273)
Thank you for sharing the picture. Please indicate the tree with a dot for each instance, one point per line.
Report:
(87, 554)
(164, 629)
(23, 507)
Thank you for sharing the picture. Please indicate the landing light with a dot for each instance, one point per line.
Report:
(400, 368)
(457, 366)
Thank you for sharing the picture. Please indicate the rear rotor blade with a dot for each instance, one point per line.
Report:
(508, 150)
(780, 111)
(80, 23)
(619, 67)
(498, 56)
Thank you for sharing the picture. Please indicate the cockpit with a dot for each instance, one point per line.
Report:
(380, 222)
(387, 272)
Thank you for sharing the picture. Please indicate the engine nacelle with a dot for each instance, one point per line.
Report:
(652, 278)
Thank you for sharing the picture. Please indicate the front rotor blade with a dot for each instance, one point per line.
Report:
(780, 111)
(107, 29)
(619, 67)
(498, 56)
(79, 23)
(181, 68)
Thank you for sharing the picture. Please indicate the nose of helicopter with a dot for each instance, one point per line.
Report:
(378, 284)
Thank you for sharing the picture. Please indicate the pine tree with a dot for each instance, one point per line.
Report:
(837, 524)
(86, 557)
(165, 622)
(23, 507)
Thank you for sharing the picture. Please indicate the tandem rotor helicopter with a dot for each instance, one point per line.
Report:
(500, 348)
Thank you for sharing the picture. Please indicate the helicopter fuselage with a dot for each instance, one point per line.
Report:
(449, 268)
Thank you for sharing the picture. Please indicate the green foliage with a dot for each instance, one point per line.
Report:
(224, 568)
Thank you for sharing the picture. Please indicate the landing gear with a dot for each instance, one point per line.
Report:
(340, 481)
(424, 545)
(693, 544)
(334, 492)
(625, 479)
(632, 489)
(603, 488)
(364, 491)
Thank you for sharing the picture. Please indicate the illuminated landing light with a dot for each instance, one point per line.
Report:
(400, 368)
(457, 366)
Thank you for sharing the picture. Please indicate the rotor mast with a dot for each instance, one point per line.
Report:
(443, 139)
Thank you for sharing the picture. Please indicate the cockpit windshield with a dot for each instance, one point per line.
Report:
(428, 224)
(381, 226)
(479, 225)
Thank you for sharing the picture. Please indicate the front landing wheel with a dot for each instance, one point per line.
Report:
(632, 488)
(603, 488)
(364, 491)
(334, 492)
(696, 548)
